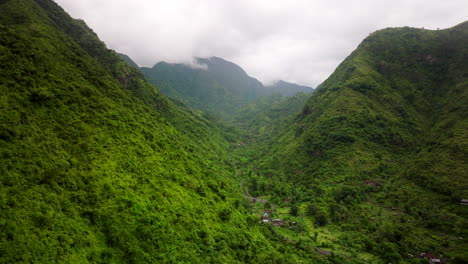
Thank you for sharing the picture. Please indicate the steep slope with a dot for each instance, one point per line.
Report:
(216, 86)
(129, 61)
(396, 92)
(97, 167)
(213, 85)
(388, 129)
(287, 88)
(233, 77)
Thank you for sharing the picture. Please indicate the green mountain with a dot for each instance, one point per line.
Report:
(96, 166)
(128, 60)
(378, 153)
(213, 85)
(287, 88)
(263, 118)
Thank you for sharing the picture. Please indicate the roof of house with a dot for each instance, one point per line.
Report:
(428, 255)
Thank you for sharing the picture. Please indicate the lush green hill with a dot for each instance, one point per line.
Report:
(287, 88)
(388, 129)
(97, 167)
(213, 85)
(267, 115)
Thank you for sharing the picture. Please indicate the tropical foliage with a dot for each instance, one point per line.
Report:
(97, 166)
(386, 130)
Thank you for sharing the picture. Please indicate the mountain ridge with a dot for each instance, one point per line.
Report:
(129, 61)
(218, 87)
(98, 166)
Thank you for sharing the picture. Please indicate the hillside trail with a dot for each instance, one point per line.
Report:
(253, 199)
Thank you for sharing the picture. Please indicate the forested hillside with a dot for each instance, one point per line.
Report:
(96, 166)
(269, 114)
(380, 148)
(287, 88)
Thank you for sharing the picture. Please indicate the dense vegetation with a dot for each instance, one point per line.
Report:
(268, 115)
(287, 89)
(97, 167)
(218, 87)
(380, 149)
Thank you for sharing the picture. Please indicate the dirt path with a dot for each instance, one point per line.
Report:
(253, 199)
(322, 252)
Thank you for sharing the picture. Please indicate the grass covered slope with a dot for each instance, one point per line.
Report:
(394, 112)
(97, 167)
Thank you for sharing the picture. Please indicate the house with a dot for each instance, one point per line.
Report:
(464, 201)
(432, 259)
(372, 183)
(266, 217)
(278, 222)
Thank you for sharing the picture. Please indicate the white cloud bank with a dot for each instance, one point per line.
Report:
(300, 41)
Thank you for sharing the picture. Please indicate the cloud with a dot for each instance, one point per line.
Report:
(194, 64)
(297, 40)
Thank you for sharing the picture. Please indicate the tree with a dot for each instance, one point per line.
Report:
(254, 186)
(312, 209)
(321, 218)
(294, 210)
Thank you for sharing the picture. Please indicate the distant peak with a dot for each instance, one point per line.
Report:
(287, 88)
(196, 64)
(279, 83)
(213, 60)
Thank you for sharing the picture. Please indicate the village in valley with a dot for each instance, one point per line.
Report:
(325, 238)
(280, 217)
(267, 219)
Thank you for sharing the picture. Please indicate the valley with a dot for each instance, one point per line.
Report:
(105, 162)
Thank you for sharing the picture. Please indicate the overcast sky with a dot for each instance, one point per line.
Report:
(299, 41)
